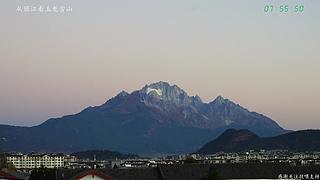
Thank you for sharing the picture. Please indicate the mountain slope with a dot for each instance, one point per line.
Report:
(242, 140)
(159, 118)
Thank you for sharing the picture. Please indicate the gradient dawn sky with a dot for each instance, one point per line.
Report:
(54, 64)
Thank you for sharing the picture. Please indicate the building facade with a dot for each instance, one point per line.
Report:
(31, 161)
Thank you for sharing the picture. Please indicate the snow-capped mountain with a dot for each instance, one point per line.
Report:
(158, 118)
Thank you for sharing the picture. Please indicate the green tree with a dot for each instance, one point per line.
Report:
(11, 167)
(2, 161)
(189, 160)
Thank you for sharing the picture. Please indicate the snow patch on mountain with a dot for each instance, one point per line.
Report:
(204, 116)
(158, 91)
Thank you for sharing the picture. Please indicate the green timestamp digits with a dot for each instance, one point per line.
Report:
(284, 8)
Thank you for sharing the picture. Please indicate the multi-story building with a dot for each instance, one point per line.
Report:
(31, 161)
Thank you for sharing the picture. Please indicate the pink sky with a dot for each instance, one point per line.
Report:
(54, 65)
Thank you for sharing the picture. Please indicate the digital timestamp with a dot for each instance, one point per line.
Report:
(284, 8)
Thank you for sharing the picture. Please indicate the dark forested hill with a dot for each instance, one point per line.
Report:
(241, 140)
(103, 155)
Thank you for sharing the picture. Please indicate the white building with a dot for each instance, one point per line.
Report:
(31, 161)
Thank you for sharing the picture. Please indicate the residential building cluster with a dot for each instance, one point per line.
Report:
(272, 156)
(35, 160)
(31, 161)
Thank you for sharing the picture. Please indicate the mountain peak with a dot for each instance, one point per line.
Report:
(230, 140)
(162, 93)
(163, 89)
(123, 94)
(219, 100)
(237, 136)
(162, 86)
(159, 84)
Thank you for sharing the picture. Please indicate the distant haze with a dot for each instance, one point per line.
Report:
(57, 64)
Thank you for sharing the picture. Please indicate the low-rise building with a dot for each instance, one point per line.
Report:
(31, 161)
